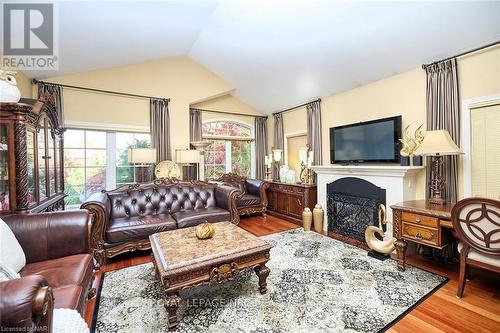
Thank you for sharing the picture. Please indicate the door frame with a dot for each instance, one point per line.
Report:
(465, 125)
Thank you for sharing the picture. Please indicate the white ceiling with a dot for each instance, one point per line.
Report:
(276, 53)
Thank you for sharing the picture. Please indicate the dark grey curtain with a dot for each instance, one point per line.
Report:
(195, 125)
(195, 134)
(159, 122)
(279, 136)
(55, 92)
(314, 130)
(260, 146)
(443, 113)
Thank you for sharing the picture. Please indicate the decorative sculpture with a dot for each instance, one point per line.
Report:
(205, 231)
(380, 248)
(410, 144)
(9, 92)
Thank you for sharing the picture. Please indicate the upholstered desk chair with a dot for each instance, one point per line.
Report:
(477, 224)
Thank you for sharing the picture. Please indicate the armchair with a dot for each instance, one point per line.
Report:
(477, 224)
(59, 269)
(253, 198)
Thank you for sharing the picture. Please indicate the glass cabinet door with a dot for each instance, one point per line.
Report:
(57, 159)
(30, 146)
(42, 170)
(4, 169)
(51, 161)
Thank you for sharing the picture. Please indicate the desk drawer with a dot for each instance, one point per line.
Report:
(422, 234)
(427, 221)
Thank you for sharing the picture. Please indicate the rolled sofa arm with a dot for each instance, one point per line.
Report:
(99, 207)
(226, 197)
(26, 305)
(258, 188)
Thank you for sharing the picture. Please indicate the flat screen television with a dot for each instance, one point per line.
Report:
(374, 141)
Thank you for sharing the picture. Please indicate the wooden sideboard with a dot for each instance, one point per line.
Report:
(420, 222)
(288, 201)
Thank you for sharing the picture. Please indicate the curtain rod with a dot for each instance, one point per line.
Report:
(424, 66)
(227, 112)
(297, 106)
(35, 81)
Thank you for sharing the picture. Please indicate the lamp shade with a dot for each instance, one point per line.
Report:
(187, 156)
(277, 154)
(438, 142)
(142, 155)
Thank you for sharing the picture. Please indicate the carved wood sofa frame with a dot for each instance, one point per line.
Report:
(100, 216)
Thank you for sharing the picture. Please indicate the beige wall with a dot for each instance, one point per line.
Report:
(402, 94)
(227, 103)
(182, 80)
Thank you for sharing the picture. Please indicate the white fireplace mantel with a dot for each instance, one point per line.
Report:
(368, 170)
(398, 181)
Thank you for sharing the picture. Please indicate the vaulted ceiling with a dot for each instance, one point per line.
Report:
(276, 53)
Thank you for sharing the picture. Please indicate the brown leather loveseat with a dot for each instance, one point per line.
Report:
(59, 269)
(127, 216)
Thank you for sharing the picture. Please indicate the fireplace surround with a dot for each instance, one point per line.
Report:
(400, 182)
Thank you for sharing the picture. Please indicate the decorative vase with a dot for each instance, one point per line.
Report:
(405, 160)
(307, 217)
(417, 160)
(283, 172)
(318, 213)
(205, 230)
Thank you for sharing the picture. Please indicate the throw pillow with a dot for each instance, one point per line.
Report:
(7, 274)
(68, 320)
(11, 252)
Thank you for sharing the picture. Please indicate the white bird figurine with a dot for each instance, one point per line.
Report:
(9, 92)
(380, 246)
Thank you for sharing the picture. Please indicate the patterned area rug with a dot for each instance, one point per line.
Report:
(316, 284)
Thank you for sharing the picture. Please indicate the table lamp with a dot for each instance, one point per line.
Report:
(187, 158)
(144, 157)
(437, 144)
(276, 156)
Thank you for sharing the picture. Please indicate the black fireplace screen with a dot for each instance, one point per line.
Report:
(352, 205)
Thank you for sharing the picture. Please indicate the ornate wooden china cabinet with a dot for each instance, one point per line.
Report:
(31, 157)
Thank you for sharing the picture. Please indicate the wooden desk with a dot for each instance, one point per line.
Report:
(420, 222)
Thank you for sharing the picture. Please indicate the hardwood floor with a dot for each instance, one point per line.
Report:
(478, 311)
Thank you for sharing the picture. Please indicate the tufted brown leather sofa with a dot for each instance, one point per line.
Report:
(253, 198)
(127, 216)
(59, 269)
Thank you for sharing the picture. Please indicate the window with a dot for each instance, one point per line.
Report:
(125, 172)
(231, 148)
(97, 160)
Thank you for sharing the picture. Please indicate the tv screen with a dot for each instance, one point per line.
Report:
(371, 141)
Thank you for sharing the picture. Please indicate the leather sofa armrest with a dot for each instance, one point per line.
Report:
(99, 207)
(226, 197)
(26, 305)
(51, 235)
(258, 188)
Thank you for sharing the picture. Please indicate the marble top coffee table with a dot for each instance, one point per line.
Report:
(183, 261)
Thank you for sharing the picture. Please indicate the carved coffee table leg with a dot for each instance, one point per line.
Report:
(400, 246)
(171, 305)
(262, 272)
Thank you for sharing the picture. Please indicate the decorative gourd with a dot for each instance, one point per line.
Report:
(205, 230)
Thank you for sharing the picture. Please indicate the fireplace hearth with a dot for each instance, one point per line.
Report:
(352, 205)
